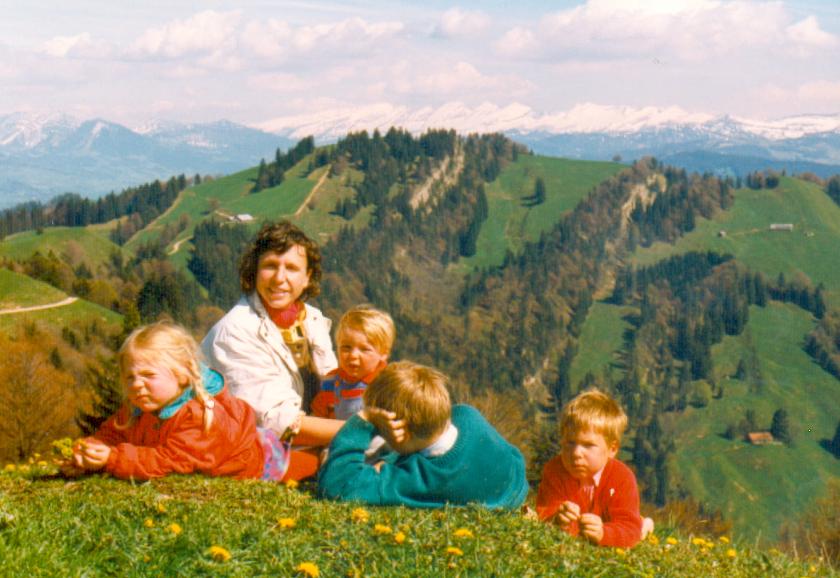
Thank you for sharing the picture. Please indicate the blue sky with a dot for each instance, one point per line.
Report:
(253, 61)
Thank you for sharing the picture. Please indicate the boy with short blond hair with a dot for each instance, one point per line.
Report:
(365, 337)
(447, 455)
(585, 489)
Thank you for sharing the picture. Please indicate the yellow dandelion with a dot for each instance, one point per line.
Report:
(360, 515)
(463, 533)
(286, 523)
(653, 539)
(731, 553)
(812, 569)
(309, 569)
(724, 539)
(399, 537)
(454, 551)
(24, 467)
(292, 484)
(381, 529)
(698, 541)
(175, 528)
(218, 553)
(10, 467)
(161, 508)
(704, 551)
(146, 558)
(671, 540)
(621, 551)
(149, 523)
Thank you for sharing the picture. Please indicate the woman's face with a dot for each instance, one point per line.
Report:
(282, 277)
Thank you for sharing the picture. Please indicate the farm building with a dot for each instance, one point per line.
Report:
(760, 438)
(242, 218)
(781, 227)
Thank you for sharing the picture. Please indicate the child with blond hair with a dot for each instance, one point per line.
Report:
(365, 336)
(585, 489)
(178, 419)
(447, 455)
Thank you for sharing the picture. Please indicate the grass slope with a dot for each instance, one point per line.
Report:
(18, 290)
(759, 488)
(509, 224)
(601, 341)
(91, 244)
(105, 527)
(810, 249)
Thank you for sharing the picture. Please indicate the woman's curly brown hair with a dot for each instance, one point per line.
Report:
(280, 237)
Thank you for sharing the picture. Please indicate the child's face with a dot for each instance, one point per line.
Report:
(357, 356)
(585, 453)
(150, 387)
(282, 277)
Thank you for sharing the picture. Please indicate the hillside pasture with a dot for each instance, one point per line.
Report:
(601, 341)
(510, 224)
(18, 290)
(810, 249)
(759, 488)
(73, 245)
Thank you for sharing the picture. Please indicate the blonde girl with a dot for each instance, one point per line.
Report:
(178, 417)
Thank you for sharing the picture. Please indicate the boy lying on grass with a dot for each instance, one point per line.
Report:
(445, 454)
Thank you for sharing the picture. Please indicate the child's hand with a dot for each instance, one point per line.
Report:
(391, 428)
(592, 527)
(569, 512)
(91, 454)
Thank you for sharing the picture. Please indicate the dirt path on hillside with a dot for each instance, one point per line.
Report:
(61, 303)
(177, 245)
(311, 194)
(443, 174)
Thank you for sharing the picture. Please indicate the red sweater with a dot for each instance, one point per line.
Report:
(152, 447)
(616, 501)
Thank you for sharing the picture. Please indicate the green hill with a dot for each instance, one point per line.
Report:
(21, 291)
(510, 224)
(74, 245)
(757, 488)
(194, 526)
(810, 249)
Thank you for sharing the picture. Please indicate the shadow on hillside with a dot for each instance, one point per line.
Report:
(828, 446)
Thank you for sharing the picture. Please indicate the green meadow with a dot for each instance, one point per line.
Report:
(195, 526)
(601, 341)
(811, 249)
(18, 290)
(71, 244)
(760, 488)
(510, 224)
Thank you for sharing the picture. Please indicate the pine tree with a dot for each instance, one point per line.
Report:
(107, 396)
(780, 426)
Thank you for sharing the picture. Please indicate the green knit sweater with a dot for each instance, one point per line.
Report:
(480, 468)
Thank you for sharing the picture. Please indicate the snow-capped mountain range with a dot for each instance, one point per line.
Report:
(42, 155)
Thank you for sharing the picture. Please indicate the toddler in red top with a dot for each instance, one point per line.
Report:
(585, 489)
(365, 336)
(171, 424)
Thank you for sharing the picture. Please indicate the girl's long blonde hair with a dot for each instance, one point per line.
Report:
(168, 345)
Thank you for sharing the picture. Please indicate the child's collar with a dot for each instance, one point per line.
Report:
(213, 383)
(444, 442)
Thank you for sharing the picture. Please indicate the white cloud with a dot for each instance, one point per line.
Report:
(824, 92)
(808, 34)
(518, 41)
(456, 22)
(206, 33)
(691, 30)
(277, 40)
(78, 46)
(280, 83)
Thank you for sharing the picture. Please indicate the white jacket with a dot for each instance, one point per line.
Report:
(246, 347)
